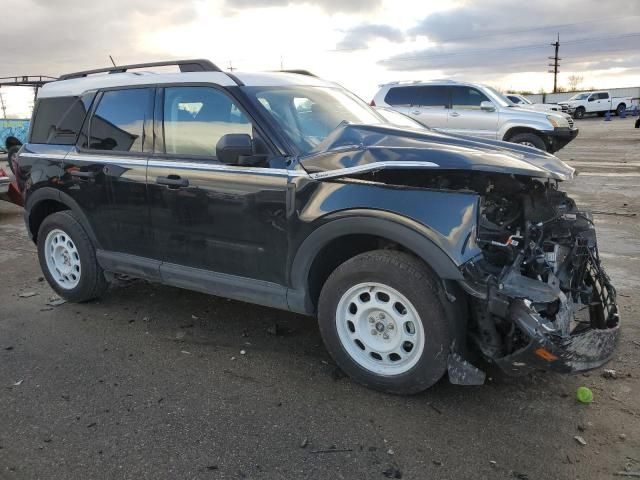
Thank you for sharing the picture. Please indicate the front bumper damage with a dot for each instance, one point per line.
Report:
(581, 333)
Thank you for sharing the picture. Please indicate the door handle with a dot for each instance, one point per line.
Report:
(454, 114)
(79, 174)
(416, 112)
(173, 181)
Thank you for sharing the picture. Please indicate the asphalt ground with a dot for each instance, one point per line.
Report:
(154, 382)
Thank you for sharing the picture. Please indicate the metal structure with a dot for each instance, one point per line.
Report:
(34, 81)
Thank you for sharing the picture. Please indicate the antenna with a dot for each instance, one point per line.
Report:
(111, 58)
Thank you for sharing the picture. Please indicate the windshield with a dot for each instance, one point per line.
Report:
(309, 114)
(499, 97)
(580, 96)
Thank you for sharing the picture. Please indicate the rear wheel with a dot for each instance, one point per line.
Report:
(579, 113)
(382, 320)
(530, 140)
(621, 109)
(68, 258)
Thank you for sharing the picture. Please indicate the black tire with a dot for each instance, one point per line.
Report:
(419, 285)
(92, 283)
(579, 113)
(621, 108)
(530, 140)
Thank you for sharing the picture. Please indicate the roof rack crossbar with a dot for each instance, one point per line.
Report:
(198, 65)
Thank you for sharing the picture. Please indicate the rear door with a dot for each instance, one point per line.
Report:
(207, 215)
(467, 118)
(433, 106)
(106, 172)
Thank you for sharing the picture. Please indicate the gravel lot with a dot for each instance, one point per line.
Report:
(157, 382)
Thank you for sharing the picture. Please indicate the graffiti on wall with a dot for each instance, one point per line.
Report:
(18, 128)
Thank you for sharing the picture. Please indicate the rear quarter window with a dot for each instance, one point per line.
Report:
(398, 96)
(58, 120)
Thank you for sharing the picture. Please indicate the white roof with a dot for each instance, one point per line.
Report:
(77, 86)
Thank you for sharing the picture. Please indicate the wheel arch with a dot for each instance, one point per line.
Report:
(511, 132)
(340, 239)
(45, 201)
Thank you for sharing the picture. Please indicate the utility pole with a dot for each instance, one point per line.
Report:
(4, 107)
(230, 67)
(555, 64)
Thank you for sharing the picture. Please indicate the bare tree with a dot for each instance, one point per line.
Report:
(574, 82)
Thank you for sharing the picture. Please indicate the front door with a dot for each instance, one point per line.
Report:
(107, 170)
(207, 215)
(467, 118)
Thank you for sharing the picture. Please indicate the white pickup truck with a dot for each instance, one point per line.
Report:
(596, 102)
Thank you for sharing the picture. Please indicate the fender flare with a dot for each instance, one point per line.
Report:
(48, 193)
(395, 228)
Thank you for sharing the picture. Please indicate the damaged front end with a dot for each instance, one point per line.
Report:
(541, 299)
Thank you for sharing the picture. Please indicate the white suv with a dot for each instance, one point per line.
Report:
(477, 110)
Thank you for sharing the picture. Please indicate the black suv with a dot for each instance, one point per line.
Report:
(416, 250)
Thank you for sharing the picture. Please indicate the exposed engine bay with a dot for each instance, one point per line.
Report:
(540, 298)
(548, 300)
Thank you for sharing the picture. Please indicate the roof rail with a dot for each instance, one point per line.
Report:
(197, 65)
(299, 72)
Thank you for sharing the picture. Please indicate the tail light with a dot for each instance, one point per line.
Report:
(373, 103)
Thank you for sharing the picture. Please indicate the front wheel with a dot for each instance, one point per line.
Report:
(382, 320)
(579, 113)
(68, 258)
(529, 140)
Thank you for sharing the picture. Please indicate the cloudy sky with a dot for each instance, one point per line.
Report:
(358, 43)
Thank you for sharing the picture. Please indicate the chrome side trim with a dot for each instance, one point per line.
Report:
(51, 156)
(168, 164)
(370, 167)
(220, 167)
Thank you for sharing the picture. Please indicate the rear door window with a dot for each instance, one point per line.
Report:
(434, 96)
(467, 98)
(119, 120)
(603, 95)
(195, 118)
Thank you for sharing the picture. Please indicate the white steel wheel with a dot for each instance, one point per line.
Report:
(63, 259)
(380, 329)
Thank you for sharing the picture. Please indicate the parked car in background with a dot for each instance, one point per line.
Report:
(477, 110)
(8, 156)
(596, 102)
(524, 102)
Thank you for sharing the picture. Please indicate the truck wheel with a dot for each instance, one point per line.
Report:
(530, 140)
(383, 322)
(621, 109)
(68, 258)
(579, 113)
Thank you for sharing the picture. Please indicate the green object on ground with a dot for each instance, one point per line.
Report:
(584, 395)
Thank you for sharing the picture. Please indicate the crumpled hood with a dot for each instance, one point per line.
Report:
(353, 149)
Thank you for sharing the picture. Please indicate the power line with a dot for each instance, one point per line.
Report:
(520, 47)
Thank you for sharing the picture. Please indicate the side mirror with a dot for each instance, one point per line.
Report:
(591, 99)
(234, 148)
(487, 106)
